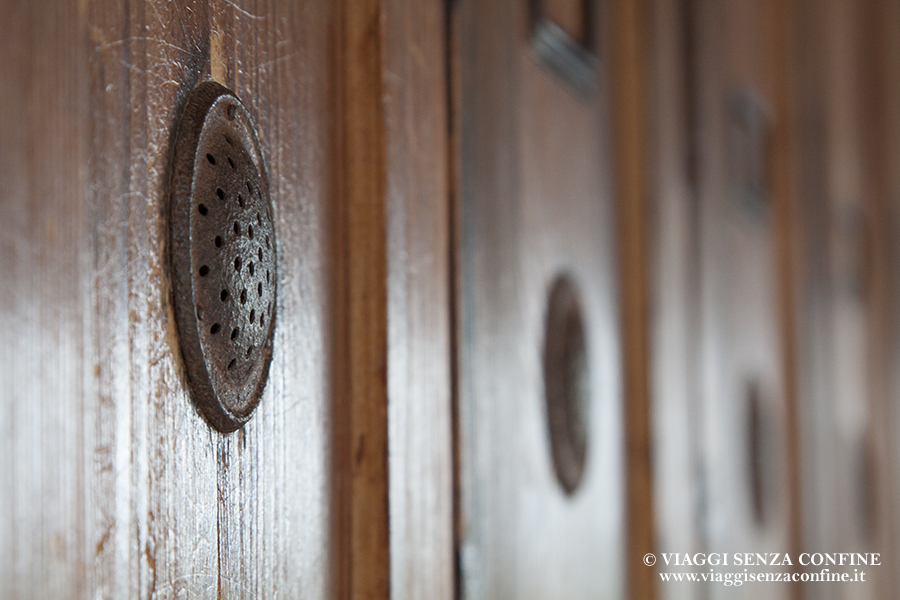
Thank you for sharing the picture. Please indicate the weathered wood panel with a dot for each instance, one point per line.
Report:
(117, 487)
(122, 488)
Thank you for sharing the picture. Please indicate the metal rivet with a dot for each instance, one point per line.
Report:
(216, 155)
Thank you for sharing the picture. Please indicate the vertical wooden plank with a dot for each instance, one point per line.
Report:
(727, 358)
(274, 477)
(860, 256)
(874, 452)
(628, 77)
(154, 498)
(745, 391)
(890, 129)
(43, 185)
(418, 310)
(782, 164)
(818, 451)
(847, 332)
(361, 428)
(676, 420)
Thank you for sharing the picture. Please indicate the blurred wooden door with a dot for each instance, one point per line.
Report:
(782, 303)
(848, 97)
(542, 496)
(724, 395)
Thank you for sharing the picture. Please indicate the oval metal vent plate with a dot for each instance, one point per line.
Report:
(222, 242)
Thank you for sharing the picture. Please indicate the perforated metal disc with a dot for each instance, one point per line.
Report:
(222, 244)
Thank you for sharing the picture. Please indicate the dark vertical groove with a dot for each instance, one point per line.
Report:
(452, 203)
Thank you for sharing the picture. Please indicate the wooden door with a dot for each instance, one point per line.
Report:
(847, 95)
(541, 510)
(112, 484)
(724, 351)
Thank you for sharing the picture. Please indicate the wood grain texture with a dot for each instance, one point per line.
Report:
(418, 309)
(361, 428)
(118, 488)
(142, 498)
(535, 201)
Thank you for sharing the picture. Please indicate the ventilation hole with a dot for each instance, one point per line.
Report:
(241, 200)
(268, 245)
(237, 264)
(259, 289)
(267, 276)
(230, 162)
(252, 316)
(224, 295)
(204, 271)
(259, 254)
(866, 500)
(249, 189)
(218, 241)
(214, 329)
(252, 269)
(231, 364)
(258, 219)
(235, 332)
(250, 231)
(262, 320)
(229, 112)
(249, 350)
(237, 228)
(220, 193)
(244, 296)
(203, 210)
(269, 308)
(757, 442)
(211, 159)
(229, 140)
(566, 384)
